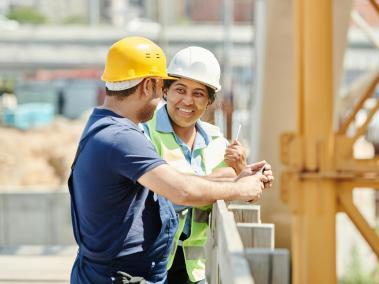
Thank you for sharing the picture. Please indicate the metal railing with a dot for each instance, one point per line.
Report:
(241, 249)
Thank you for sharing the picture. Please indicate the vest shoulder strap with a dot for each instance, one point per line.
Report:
(211, 130)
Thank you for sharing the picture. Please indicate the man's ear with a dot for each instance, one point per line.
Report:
(145, 86)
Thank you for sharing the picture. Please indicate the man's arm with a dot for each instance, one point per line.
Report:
(228, 173)
(191, 190)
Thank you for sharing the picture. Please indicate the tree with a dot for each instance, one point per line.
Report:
(26, 15)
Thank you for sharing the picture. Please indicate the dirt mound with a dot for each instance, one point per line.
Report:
(40, 156)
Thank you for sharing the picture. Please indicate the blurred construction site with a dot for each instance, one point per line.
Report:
(300, 76)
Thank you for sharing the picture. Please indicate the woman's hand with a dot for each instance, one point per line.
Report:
(235, 156)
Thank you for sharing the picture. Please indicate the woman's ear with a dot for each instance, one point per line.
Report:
(164, 91)
(209, 103)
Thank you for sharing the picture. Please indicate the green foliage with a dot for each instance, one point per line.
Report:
(75, 20)
(26, 15)
(184, 21)
(354, 272)
(6, 86)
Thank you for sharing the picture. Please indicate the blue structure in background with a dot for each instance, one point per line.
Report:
(29, 115)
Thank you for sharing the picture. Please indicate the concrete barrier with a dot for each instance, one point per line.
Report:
(35, 217)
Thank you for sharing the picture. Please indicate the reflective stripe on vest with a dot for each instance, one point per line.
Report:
(194, 252)
(200, 216)
(212, 158)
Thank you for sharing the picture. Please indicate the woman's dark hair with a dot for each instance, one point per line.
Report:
(211, 92)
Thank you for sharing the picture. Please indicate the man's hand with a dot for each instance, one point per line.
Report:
(265, 171)
(235, 156)
(247, 171)
(261, 168)
(250, 186)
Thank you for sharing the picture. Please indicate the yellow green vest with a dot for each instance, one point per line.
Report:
(212, 158)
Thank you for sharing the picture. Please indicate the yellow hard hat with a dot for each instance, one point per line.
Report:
(132, 58)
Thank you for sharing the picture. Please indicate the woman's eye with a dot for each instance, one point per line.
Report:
(198, 95)
(180, 90)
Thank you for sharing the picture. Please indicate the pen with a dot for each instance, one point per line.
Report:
(238, 131)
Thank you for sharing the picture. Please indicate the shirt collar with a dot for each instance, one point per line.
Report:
(164, 125)
(163, 121)
(104, 112)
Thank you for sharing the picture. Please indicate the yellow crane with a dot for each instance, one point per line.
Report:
(321, 171)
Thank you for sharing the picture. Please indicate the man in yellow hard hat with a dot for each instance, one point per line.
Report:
(121, 189)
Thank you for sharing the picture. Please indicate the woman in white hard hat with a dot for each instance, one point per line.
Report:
(195, 147)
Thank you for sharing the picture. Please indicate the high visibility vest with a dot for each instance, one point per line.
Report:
(212, 158)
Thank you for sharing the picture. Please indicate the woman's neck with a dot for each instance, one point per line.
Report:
(186, 134)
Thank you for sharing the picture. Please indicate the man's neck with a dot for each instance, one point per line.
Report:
(125, 108)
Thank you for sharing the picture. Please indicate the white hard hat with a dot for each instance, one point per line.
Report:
(196, 63)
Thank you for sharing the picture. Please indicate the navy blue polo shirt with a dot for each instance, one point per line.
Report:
(115, 213)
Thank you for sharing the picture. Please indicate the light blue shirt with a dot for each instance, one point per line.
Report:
(193, 157)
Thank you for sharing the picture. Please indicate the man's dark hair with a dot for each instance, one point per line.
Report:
(211, 92)
(120, 95)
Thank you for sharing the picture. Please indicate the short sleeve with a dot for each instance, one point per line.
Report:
(226, 142)
(222, 164)
(133, 155)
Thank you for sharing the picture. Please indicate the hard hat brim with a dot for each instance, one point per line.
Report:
(169, 78)
(215, 88)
